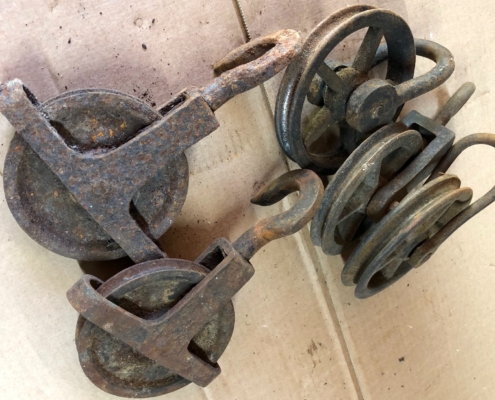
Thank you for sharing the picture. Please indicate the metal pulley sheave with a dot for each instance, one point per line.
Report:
(416, 227)
(382, 170)
(98, 174)
(162, 324)
(350, 103)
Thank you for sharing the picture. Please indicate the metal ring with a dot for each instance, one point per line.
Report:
(251, 64)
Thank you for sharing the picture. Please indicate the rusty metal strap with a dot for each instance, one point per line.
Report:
(104, 183)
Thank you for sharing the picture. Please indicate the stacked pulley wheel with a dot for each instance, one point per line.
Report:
(350, 104)
(387, 205)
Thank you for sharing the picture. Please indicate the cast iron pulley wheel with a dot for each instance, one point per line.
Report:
(90, 121)
(331, 85)
(348, 193)
(381, 257)
(148, 291)
(120, 161)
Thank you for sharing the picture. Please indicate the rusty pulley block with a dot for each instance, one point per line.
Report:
(162, 324)
(381, 171)
(98, 174)
(349, 103)
(377, 213)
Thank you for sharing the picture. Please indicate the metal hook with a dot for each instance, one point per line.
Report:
(310, 190)
(166, 339)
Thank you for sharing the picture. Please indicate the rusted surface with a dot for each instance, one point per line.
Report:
(265, 57)
(351, 103)
(423, 252)
(159, 325)
(443, 69)
(370, 213)
(289, 222)
(347, 195)
(380, 258)
(337, 81)
(104, 182)
(146, 292)
(97, 174)
(46, 209)
(439, 140)
(163, 339)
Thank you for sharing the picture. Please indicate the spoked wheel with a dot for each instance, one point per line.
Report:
(329, 85)
(381, 257)
(148, 291)
(347, 195)
(89, 121)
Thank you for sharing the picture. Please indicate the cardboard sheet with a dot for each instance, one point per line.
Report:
(430, 336)
(300, 334)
